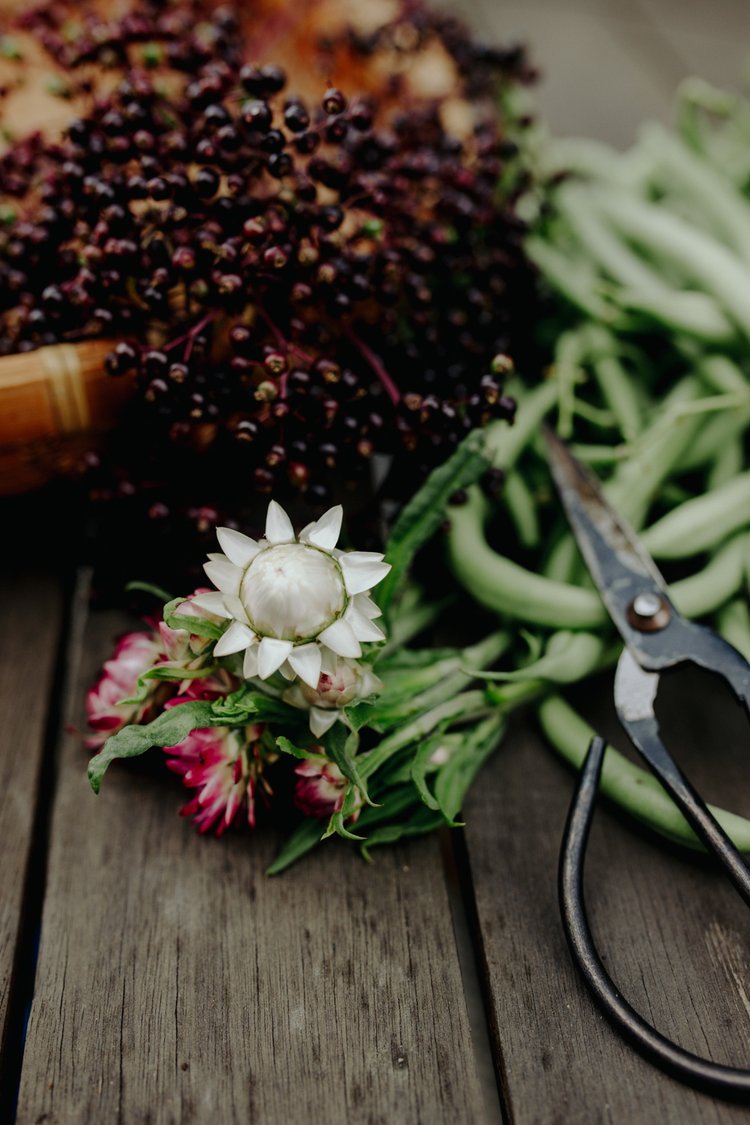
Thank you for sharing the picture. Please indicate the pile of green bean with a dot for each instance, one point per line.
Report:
(646, 255)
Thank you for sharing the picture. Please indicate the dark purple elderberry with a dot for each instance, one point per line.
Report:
(306, 143)
(206, 183)
(296, 117)
(274, 78)
(273, 141)
(257, 116)
(333, 102)
(155, 363)
(280, 165)
(215, 115)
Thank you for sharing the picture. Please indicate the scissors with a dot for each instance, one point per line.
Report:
(657, 639)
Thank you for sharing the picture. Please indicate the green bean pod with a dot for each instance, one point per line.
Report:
(634, 789)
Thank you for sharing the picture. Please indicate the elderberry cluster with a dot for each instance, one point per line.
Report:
(297, 281)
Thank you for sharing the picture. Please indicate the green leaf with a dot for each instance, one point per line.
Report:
(359, 714)
(149, 588)
(337, 824)
(341, 746)
(173, 673)
(424, 513)
(421, 764)
(167, 729)
(199, 626)
(250, 704)
(453, 780)
(394, 802)
(306, 835)
(423, 821)
(288, 747)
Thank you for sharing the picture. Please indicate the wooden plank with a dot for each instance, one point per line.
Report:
(30, 620)
(176, 983)
(674, 934)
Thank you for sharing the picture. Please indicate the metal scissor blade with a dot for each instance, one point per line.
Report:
(621, 568)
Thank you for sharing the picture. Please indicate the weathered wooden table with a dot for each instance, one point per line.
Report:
(149, 975)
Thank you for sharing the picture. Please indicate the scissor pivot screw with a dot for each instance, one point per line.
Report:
(648, 612)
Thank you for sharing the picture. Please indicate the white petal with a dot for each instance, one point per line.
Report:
(325, 531)
(364, 628)
(362, 570)
(367, 606)
(224, 574)
(278, 525)
(321, 721)
(236, 608)
(271, 655)
(340, 638)
(237, 637)
(239, 549)
(370, 682)
(304, 535)
(250, 665)
(306, 660)
(288, 672)
(213, 602)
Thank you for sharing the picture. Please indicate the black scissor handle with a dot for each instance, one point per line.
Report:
(711, 1077)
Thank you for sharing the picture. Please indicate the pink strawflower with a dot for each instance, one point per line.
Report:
(342, 681)
(320, 789)
(180, 645)
(134, 654)
(137, 653)
(222, 764)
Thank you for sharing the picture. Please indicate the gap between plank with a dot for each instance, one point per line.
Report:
(76, 588)
(460, 888)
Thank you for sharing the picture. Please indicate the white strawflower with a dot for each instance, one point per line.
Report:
(342, 681)
(292, 599)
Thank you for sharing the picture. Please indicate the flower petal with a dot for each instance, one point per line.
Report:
(213, 603)
(321, 721)
(278, 525)
(364, 628)
(239, 549)
(362, 570)
(367, 606)
(306, 660)
(250, 664)
(236, 608)
(341, 639)
(224, 574)
(271, 655)
(325, 531)
(237, 637)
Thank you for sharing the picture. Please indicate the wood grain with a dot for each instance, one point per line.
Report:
(675, 936)
(30, 618)
(177, 983)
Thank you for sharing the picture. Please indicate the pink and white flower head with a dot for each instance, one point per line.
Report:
(134, 654)
(292, 599)
(218, 763)
(181, 644)
(342, 681)
(320, 789)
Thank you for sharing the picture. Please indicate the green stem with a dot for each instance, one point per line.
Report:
(471, 704)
